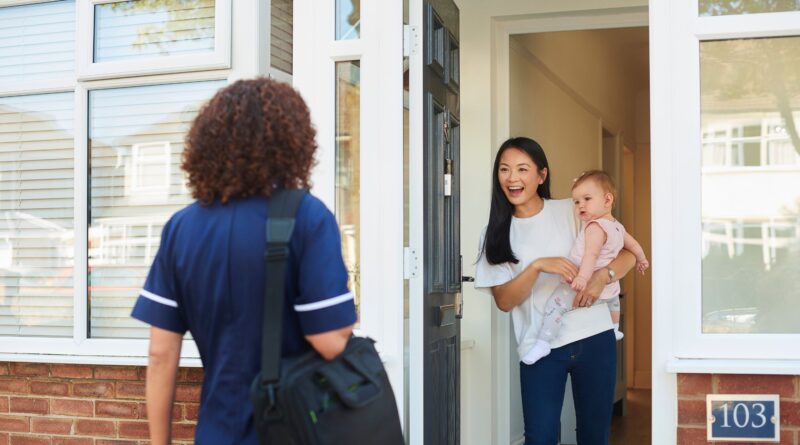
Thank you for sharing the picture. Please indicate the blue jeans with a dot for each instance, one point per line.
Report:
(592, 363)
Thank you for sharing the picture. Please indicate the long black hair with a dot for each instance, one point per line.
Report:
(496, 244)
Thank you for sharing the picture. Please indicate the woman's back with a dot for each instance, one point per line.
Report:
(211, 266)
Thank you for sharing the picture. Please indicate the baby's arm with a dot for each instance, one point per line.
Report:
(636, 249)
(595, 238)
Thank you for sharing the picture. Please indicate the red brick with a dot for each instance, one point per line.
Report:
(30, 440)
(188, 393)
(50, 388)
(71, 371)
(29, 405)
(13, 386)
(694, 384)
(88, 427)
(194, 375)
(72, 407)
(692, 436)
(4, 404)
(114, 442)
(192, 411)
(16, 424)
(116, 373)
(790, 413)
(182, 431)
(130, 390)
(691, 411)
(177, 412)
(3, 439)
(756, 384)
(51, 426)
(125, 410)
(134, 429)
(93, 389)
(4, 371)
(72, 441)
(30, 369)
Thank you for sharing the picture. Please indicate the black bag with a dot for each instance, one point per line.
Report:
(307, 400)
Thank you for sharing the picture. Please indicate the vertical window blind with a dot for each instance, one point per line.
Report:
(36, 215)
(37, 42)
(135, 182)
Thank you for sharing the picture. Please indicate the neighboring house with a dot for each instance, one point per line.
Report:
(693, 106)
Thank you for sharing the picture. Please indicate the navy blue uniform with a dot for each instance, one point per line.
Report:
(208, 278)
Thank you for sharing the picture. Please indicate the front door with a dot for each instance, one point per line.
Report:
(442, 259)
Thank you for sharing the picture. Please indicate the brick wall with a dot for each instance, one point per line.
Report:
(692, 390)
(50, 404)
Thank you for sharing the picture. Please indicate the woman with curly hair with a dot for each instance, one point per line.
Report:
(251, 138)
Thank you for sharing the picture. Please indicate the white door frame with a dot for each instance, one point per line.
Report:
(502, 29)
(380, 51)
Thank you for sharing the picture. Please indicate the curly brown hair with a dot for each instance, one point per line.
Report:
(251, 137)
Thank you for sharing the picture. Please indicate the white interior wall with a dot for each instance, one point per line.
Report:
(484, 418)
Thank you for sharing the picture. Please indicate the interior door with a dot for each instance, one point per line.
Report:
(442, 270)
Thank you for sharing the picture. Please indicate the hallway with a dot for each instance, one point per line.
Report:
(634, 427)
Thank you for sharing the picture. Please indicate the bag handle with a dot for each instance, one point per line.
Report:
(350, 395)
(281, 212)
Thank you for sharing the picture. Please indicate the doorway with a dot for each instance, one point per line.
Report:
(583, 95)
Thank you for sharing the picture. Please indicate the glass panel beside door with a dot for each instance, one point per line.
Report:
(348, 168)
(750, 124)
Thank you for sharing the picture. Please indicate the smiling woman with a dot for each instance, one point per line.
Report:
(522, 264)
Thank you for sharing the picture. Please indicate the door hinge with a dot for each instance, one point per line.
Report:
(411, 40)
(410, 263)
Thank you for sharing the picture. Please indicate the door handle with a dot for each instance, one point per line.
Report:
(467, 279)
(458, 301)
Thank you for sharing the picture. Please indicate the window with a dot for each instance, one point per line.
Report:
(348, 19)
(37, 42)
(138, 37)
(136, 139)
(733, 220)
(750, 113)
(90, 160)
(735, 7)
(36, 219)
(348, 168)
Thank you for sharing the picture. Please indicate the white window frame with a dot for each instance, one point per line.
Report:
(682, 192)
(380, 51)
(88, 69)
(251, 59)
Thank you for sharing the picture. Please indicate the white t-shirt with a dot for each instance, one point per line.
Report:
(549, 233)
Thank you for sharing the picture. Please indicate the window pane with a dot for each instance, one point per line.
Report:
(144, 29)
(281, 35)
(37, 42)
(348, 19)
(735, 7)
(136, 139)
(750, 99)
(348, 182)
(36, 204)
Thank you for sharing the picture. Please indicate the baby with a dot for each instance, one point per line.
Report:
(599, 241)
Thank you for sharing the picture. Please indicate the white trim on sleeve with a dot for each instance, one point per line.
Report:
(333, 301)
(158, 299)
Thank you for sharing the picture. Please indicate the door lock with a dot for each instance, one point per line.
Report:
(459, 304)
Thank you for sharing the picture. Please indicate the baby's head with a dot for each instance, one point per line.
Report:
(593, 194)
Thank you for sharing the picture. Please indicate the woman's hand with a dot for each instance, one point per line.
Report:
(556, 265)
(623, 263)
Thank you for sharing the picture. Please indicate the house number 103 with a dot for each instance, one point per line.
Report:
(759, 409)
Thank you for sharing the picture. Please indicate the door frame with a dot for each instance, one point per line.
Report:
(380, 52)
(502, 30)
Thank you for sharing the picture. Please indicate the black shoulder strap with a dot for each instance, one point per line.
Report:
(280, 223)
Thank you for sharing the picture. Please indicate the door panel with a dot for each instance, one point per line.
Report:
(442, 223)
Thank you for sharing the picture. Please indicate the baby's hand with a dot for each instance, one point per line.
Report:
(578, 284)
(642, 265)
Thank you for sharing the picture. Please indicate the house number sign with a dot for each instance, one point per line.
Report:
(743, 417)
